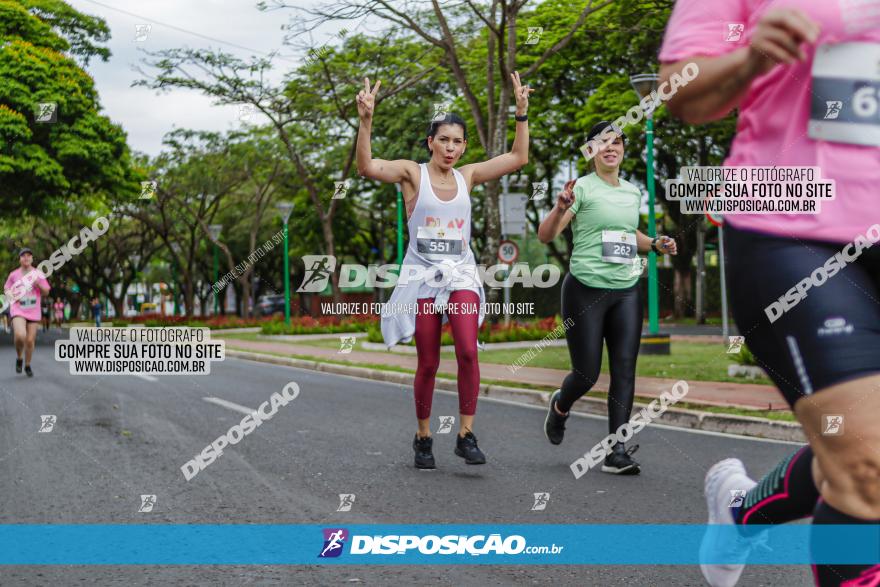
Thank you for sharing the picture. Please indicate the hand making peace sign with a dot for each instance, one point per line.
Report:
(366, 99)
(521, 94)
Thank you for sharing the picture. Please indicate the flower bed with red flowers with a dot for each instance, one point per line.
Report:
(321, 325)
(213, 322)
(517, 330)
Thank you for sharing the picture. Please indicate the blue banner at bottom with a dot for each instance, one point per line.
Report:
(382, 544)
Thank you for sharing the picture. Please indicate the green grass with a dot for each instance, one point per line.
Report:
(781, 415)
(710, 321)
(692, 361)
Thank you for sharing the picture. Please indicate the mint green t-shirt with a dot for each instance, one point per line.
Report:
(602, 208)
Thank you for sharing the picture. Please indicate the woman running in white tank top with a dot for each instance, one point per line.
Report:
(438, 208)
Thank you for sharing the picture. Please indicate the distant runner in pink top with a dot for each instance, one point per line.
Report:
(805, 76)
(24, 288)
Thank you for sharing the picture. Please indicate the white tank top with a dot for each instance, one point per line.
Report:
(440, 230)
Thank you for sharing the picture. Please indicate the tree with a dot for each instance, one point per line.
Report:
(54, 143)
(313, 112)
(194, 177)
(261, 161)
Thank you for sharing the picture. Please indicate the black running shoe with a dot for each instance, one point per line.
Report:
(554, 424)
(424, 454)
(466, 447)
(18, 364)
(27, 369)
(619, 462)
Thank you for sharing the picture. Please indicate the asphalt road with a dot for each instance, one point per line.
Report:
(118, 437)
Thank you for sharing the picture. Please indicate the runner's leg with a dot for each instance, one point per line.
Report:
(821, 354)
(19, 330)
(31, 340)
(623, 331)
(584, 307)
(464, 324)
(427, 337)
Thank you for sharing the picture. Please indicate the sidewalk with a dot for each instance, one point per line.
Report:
(739, 395)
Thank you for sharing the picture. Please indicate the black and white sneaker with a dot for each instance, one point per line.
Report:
(620, 461)
(554, 423)
(27, 370)
(424, 453)
(18, 364)
(466, 447)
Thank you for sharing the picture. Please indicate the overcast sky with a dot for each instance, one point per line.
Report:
(235, 26)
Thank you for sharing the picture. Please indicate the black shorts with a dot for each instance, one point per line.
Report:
(26, 320)
(810, 314)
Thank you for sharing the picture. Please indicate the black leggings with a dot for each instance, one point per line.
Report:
(614, 315)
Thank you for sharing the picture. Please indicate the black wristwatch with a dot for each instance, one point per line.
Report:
(523, 118)
(654, 245)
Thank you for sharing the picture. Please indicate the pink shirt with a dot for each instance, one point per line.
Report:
(773, 116)
(27, 298)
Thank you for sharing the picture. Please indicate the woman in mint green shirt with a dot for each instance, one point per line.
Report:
(600, 294)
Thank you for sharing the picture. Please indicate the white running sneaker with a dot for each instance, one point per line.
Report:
(724, 480)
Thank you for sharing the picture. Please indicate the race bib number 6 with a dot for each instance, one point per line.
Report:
(436, 243)
(618, 246)
(845, 103)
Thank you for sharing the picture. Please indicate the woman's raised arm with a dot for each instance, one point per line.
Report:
(400, 170)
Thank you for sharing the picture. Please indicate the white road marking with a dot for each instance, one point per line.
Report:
(145, 377)
(229, 405)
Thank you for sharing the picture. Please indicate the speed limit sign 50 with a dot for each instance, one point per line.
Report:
(508, 252)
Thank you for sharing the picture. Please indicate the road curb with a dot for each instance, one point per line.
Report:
(678, 417)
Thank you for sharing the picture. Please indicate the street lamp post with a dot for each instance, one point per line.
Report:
(284, 210)
(135, 269)
(399, 225)
(214, 231)
(108, 271)
(175, 291)
(655, 343)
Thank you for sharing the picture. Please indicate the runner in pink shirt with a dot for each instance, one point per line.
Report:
(805, 76)
(24, 288)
